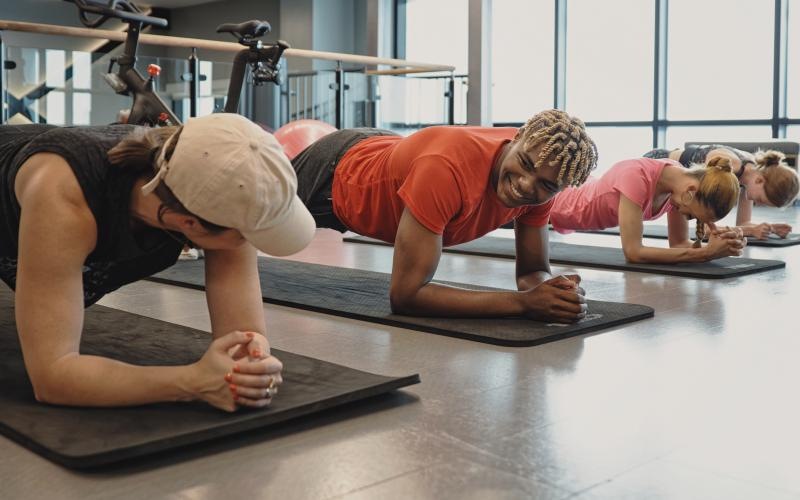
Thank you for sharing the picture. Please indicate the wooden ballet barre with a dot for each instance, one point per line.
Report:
(399, 71)
(402, 65)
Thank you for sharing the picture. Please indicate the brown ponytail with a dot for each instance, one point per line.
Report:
(781, 183)
(138, 152)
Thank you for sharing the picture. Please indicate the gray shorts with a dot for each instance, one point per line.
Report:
(315, 166)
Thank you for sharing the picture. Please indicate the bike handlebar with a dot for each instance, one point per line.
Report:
(121, 9)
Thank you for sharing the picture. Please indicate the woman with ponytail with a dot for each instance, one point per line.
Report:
(765, 178)
(87, 210)
(643, 189)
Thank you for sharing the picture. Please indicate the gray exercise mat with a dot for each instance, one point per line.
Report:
(660, 232)
(607, 258)
(91, 437)
(364, 295)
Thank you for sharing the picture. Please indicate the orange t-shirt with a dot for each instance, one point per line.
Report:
(442, 174)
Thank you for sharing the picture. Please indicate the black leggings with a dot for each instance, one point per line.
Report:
(657, 154)
(315, 166)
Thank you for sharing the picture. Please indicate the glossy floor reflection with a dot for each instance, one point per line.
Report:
(698, 402)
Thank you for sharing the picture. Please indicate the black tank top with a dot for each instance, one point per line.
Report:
(697, 154)
(122, 255)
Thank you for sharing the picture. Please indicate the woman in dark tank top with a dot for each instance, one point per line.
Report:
(86, 210)
(765, 176)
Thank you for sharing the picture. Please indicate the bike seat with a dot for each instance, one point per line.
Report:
(247, 29)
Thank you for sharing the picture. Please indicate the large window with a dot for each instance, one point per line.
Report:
(619, 143)
(522, 58)
(55, 67)
(720, 59)
(436, 31)
(793, 70)
(677, 136)
(609, 77)
(715, 65)
(81, 88)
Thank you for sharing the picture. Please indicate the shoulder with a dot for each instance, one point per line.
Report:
(50, 196)
(47, 174)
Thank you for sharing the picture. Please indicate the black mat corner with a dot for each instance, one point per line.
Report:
(364, 295)
(93, 437)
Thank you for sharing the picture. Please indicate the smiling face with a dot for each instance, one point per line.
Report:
(520, 178)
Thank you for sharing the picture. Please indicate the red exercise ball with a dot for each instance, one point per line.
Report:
(298, 135)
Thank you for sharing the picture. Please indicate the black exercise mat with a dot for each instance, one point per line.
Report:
(364, 295)
(660, 232)
(607, 258)
(90, 437)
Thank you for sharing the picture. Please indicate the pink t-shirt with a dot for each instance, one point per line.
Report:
(595, 204)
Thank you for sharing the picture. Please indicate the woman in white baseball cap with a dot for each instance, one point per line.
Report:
(88, 209)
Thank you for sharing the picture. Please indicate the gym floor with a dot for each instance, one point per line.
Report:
(699, 402)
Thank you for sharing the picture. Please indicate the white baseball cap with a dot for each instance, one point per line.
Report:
(230, 172)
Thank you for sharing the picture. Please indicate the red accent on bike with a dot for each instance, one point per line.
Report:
(153, 69)
(163, 117)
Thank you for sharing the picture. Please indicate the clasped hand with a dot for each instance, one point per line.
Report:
(726, 241)
(237, 370)
(559, 299)
(763, 230)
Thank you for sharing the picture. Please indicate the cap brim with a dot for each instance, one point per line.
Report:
(293, 234)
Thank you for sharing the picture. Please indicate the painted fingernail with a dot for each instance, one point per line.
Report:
(232, 387)
(256, 353)
(236, 367)
(228, 377)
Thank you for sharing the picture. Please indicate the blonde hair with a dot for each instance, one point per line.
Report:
(781, 183)
(718, 190)
(564, 142)
(137, 152)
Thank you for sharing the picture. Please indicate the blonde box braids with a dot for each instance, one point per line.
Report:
(564, 142)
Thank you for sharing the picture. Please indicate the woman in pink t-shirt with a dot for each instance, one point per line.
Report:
(633, 191)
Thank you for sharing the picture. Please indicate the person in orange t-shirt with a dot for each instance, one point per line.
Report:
(442, 186)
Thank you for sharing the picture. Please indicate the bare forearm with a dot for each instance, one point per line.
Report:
(652, 255)
(233, 291)
(82, 380)
(744, 212)
(748, 228)
(434, 299)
